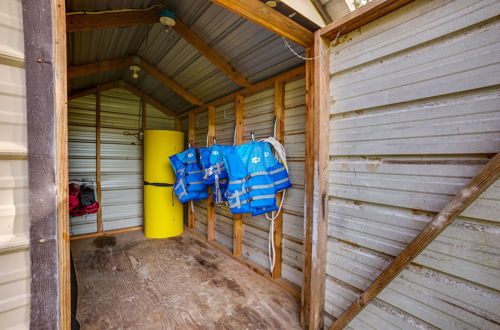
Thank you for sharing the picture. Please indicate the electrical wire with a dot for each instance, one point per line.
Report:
(114, 11)
(294, 52)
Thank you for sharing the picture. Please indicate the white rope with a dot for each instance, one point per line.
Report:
(279, 150)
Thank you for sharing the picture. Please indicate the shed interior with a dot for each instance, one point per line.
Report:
(213, 75)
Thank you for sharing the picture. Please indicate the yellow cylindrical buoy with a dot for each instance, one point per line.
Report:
(163, 213)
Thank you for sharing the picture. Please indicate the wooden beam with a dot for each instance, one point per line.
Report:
(166, 81)
(178, 124)
(238, 218)
(46, 106)
(75, 71)
(322, 11)
(468, 194)
(122, 62)
(308, 190)
(210, 200)
(259, 13)
(194, 40)
(91, 91)
(285, 76)
(320, 219)
(361, 16)
(98, 155)
(147, 98)
(191, 141)
(104, 233)
(279, 113)
(88, 21)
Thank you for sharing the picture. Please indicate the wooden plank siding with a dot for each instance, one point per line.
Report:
(414, 116)
(257, 114)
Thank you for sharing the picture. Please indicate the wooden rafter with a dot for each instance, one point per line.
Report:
(259, 13)
(194, 40)
(468, 194)
(322, 11)
(87, 21)
(121, 62)
(360, 17)
(285, 76)
(93, 90)
(166, 81)
(129, 87)
(75, 71)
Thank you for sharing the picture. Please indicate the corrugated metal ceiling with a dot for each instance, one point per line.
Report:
(253, 51)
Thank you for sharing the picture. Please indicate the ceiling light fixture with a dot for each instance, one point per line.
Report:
(135, 71)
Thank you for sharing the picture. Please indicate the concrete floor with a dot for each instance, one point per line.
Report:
(126, 281)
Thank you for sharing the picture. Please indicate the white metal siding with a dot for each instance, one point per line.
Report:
(224, 132)
(293, 210)
(14, 222)
(415, 114)
(258, 116)
(121, 155)
(200, 207)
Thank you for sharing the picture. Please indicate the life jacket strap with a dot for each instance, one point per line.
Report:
(254, 174)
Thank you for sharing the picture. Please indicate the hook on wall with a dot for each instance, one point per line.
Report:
(252, 134)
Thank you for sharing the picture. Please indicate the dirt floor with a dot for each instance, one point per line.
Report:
(129, 282)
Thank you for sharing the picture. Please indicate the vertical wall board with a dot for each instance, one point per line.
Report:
(14, 222)
(414, 115)
(121, 155)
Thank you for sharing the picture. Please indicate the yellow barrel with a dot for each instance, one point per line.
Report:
(163, 213)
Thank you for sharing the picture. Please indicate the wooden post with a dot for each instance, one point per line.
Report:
(210, 200)
(486, 177)
(191, 137)
(279, 113)
(47, 141)
(98, 155)
(309, 190)
(238, 218)
(320, 208)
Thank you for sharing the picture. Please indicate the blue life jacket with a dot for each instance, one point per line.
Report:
(254, 178)
(214, 170)
(189, 182)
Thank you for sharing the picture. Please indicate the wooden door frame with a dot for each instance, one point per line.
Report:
(44, 23)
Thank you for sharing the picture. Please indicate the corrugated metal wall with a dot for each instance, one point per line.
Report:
(14, 222)
(259, 117)
(121, 155)
(200, 208)
(415, 113)
(224, 133)
(293, 207)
